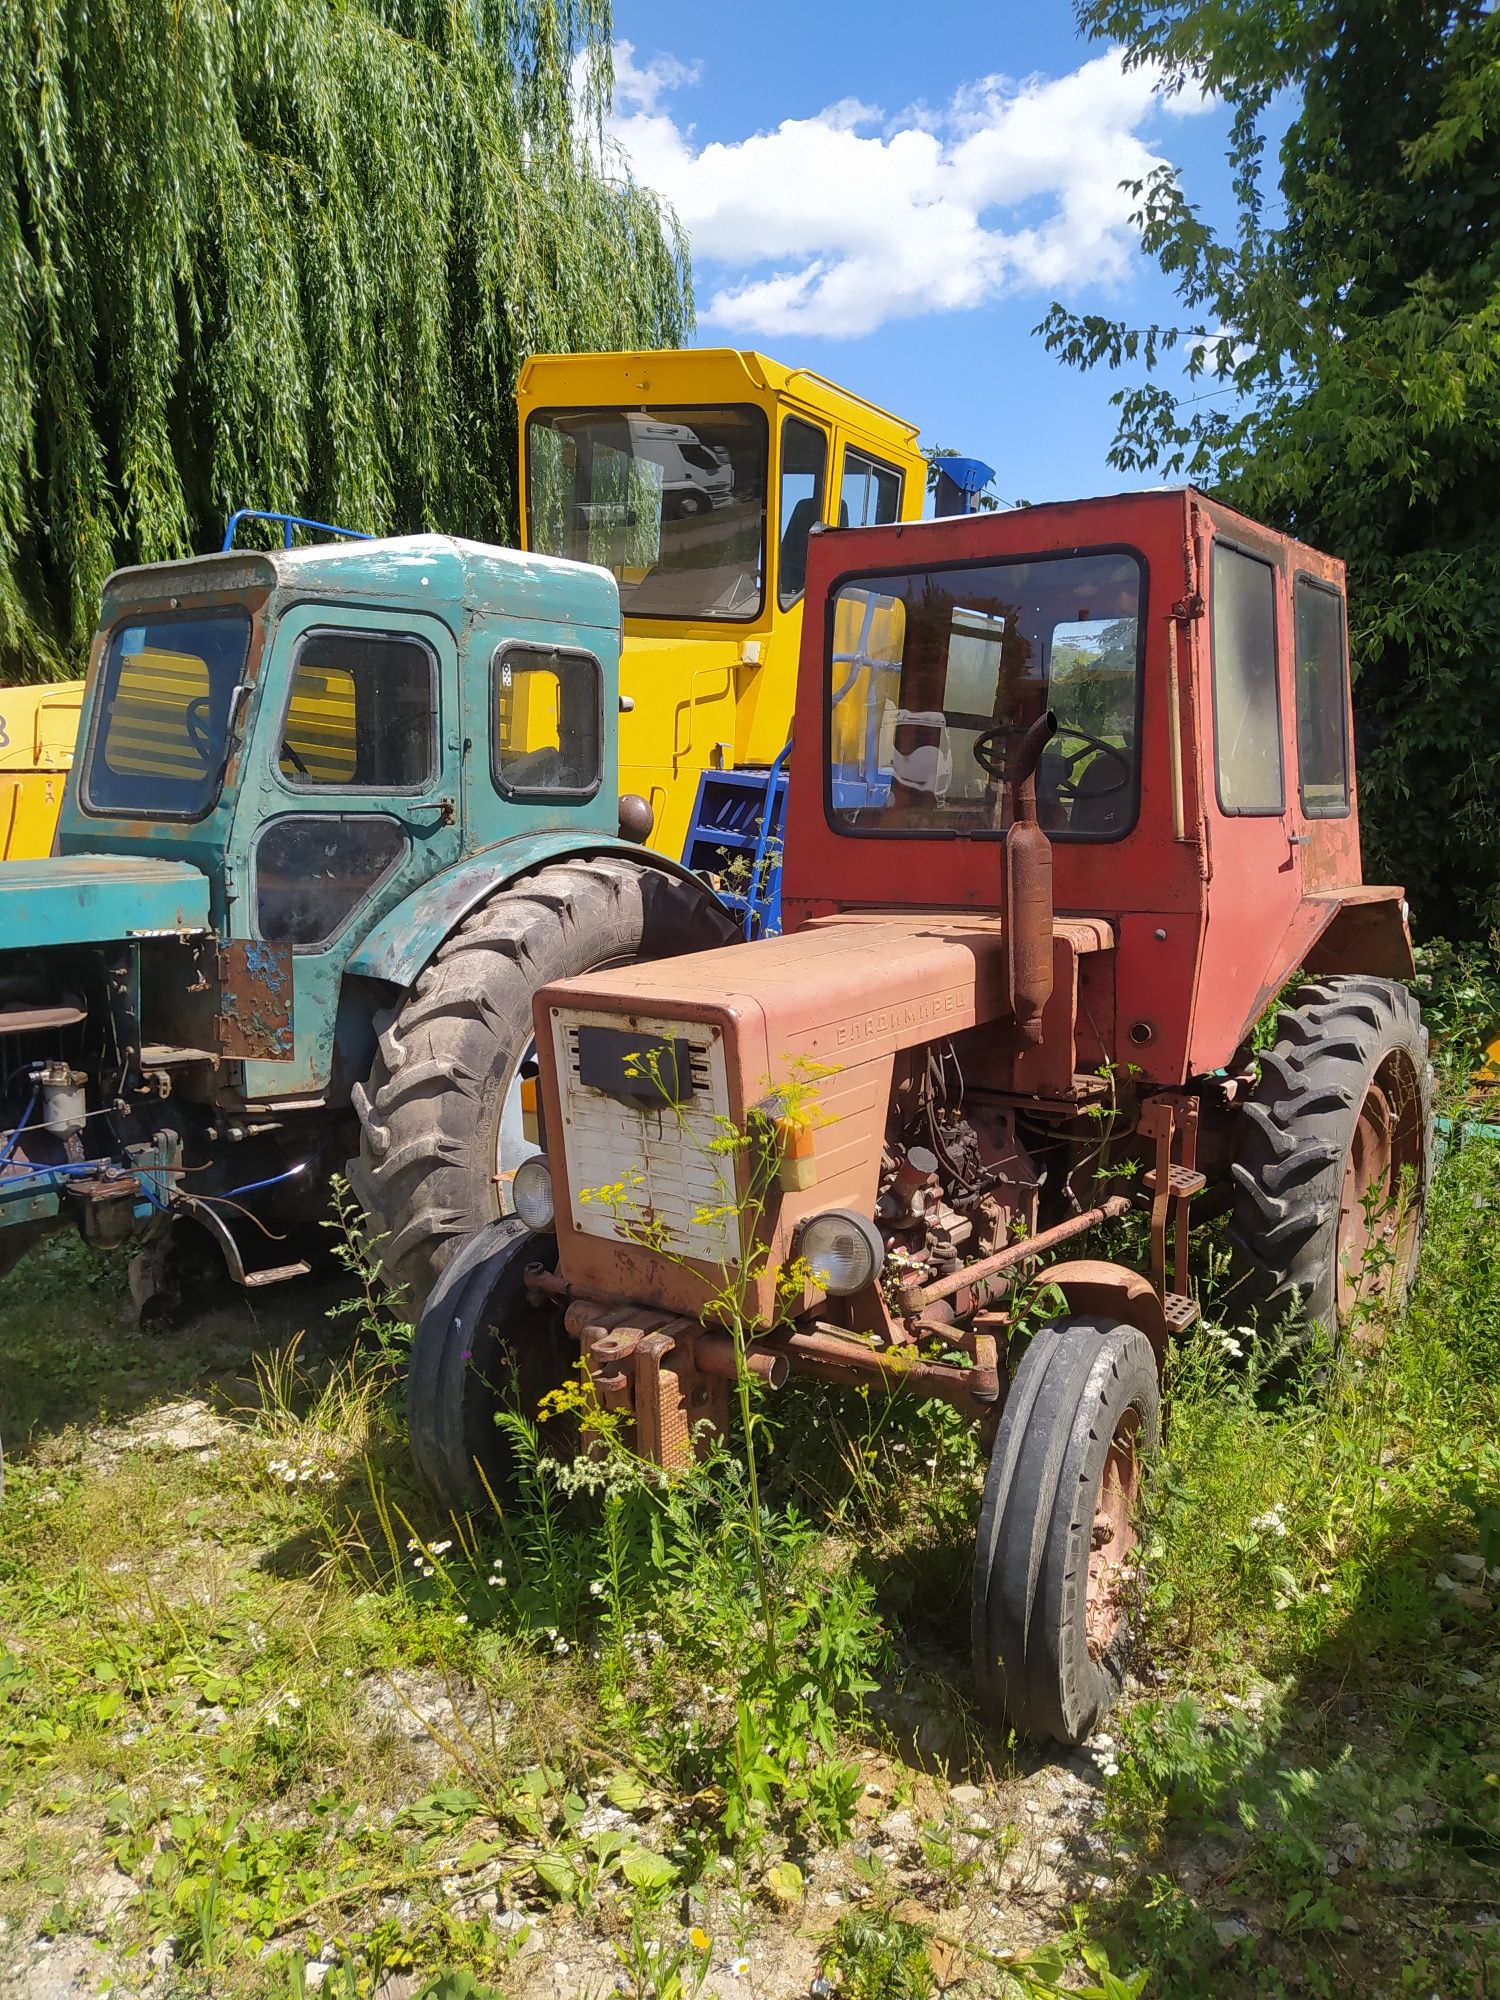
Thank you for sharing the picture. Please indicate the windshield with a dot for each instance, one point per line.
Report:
(161, 730)
(927, 663)
(672, 500)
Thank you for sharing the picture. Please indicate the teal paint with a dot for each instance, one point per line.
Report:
(97, 899)
(117, 877)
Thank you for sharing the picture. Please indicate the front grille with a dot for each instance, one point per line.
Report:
(650, 1168)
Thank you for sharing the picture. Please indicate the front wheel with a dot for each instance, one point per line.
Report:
(482, 1355)
(1057, 1530)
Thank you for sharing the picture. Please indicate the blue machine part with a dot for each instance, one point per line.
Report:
(288, 522)
(736, 831)
(959, 481)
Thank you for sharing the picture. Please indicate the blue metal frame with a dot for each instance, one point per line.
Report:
(740, 812)
(288, 522)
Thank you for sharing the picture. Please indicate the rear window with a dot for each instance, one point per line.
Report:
(1247, 721)
(1322, 701)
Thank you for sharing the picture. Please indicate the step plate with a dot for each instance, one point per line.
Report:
(1181, 1312)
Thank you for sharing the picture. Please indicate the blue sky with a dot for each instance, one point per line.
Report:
(894, 193)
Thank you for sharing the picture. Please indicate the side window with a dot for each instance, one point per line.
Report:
(362, 715)
(869, 493)
(548, 723)
(1247, 722)
(1322, 701)
(312, 870)
(804, 467)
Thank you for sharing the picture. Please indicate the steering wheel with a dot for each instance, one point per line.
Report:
(195, 722)
(990, 755)
(1067, 785)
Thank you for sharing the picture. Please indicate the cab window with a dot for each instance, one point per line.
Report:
(167, 692)
(804, 468)
(313, 870)
(1247, 719)
(548, 723)
(1322, 700)
(869, 493)
(935, 676)
(362, 715)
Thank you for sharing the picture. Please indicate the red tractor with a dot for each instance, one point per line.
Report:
(1072, 802)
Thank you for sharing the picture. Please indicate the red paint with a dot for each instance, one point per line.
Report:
(1209, 923)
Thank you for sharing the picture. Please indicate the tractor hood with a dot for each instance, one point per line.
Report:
(97, 899)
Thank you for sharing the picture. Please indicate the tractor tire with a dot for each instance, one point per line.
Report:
(482, 1350)
(1334, 1158)
(430, 1113)
(1057, 1529)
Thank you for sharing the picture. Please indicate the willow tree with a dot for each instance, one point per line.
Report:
(290, 253)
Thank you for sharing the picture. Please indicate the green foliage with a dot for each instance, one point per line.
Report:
(292, 255)
(1343, 362)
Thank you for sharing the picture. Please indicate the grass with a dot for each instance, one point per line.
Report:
(265, 1722)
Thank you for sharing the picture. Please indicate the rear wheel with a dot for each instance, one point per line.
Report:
(1057, 1528)
(443, 1088)
(482, 1351)
(1334, 1157)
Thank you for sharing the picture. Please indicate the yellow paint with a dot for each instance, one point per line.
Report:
(38, 728)
(711, 691)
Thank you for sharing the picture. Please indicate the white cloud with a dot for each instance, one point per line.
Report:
(837, 223)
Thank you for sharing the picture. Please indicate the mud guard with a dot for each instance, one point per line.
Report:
(1091, 1285)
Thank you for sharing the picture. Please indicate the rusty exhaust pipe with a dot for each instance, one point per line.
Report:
(1026, 888)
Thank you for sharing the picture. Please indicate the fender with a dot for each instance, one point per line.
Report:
(1093, 1287)
(405, 940)
(1361, 928)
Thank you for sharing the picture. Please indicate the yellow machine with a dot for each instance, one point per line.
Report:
(38, 727)
(695, 477)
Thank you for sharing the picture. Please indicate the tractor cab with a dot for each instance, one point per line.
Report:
(1197, 793)
(697, 479)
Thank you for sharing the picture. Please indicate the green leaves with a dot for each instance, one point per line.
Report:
(1350, 327)
(290, 256)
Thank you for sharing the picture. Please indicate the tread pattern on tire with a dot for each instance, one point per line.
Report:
(429, 1113)
(1076, 1381)
(1295, 1133)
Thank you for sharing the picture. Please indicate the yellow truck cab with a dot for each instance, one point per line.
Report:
(695, 477)
(38, 728)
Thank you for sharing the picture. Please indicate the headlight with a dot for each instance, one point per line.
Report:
(531, 1191)
(843, 1248)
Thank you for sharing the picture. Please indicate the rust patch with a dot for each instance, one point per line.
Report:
(255, 1001)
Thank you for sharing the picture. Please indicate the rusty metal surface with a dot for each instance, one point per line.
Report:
(1091, 1285)
(975, 1276)
(255, 1001)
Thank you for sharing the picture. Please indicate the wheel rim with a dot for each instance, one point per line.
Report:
(511, 1143)
(1113, 1539)
(1380, 1199)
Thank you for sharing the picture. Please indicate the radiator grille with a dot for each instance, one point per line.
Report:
(662, 1156)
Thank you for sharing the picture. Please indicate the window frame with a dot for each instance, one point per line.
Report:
(1320, 583)
(1268, 563)
(402, 856)
(187, 614)
(533, 794)
(744, 617)
(844, 831)
(312, 788)
(880, 465)
(784, 603)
